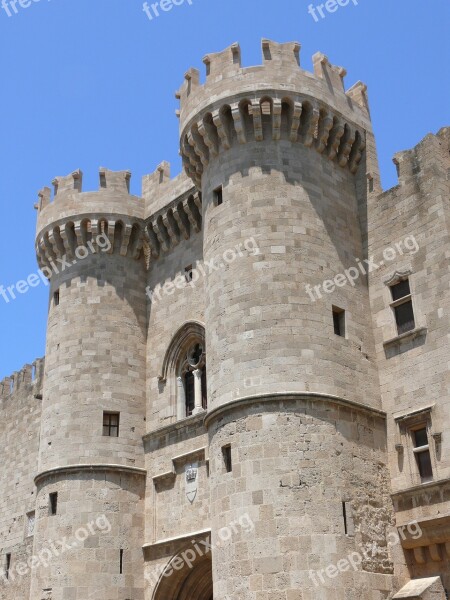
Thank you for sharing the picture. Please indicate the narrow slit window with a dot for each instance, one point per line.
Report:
(56, 298)
(403, 307)
(53, 501)
(218, 196)
(8, 566)
(347, 513)
(227, 459)
(121, 562)
(344, 512)
(111, 424)
(339, 321)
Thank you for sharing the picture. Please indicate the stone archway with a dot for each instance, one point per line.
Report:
(191, 581)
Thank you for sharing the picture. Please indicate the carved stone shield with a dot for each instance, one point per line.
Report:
(191, 475)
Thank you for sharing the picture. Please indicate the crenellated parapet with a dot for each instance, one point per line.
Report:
(177, 221)
(30, 375)
(275, 101)
(429, 158)
(173, 209)
(74, 220)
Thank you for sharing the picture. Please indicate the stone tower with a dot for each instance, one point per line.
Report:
(90, 244)
(277, 153)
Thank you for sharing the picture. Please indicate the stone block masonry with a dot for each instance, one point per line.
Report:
(176, 406)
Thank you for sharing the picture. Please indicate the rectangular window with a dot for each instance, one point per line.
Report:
(56, 298)
(218, 196)
(402, 306)
(339, 321)
(422, 453)
(8, 565)
(111, 424)
(226, 452)
(53, 502)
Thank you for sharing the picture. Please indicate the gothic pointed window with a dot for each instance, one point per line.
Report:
(183, 371)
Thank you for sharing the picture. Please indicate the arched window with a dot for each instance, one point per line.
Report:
(184, 370)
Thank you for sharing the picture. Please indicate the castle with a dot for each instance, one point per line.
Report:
(245, 393)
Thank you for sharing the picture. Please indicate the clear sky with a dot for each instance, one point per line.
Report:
(89, 83)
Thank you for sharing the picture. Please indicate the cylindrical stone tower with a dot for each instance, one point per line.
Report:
(297, 436)
(91, 479)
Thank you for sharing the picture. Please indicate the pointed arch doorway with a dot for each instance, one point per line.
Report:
(190, 582)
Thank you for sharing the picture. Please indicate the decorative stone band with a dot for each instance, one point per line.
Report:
(126, 236)
(177, 221)
(289, 397)
(276, 116)
(71, 469)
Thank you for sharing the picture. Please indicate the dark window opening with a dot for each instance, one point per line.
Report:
(218, 196)
(404, 317)
(121, 562)
(403, 307)
(423, 455)
(8, 565)
(226, 452)
(344, 511)
(339, 321)
(400, 290)
(56, 298)
(188, 273)
(189, 387)
(53, 497)
(111, 424)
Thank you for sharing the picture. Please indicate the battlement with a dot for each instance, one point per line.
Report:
(429, 157)
(75, 218)
(275, 101)
(30, 375)
(159, 190)
(280, 70)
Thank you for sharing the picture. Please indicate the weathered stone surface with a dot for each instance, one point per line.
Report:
(299, 480)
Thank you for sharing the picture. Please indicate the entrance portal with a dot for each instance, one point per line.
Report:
(193, 581)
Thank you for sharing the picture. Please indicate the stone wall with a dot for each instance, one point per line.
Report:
(19, 445)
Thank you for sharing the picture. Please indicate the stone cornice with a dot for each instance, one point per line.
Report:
(182, 538)
(89, 468)
(239, 403)
(425, 487)
(175, 426)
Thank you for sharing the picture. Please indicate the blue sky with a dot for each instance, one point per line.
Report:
(89, 83)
